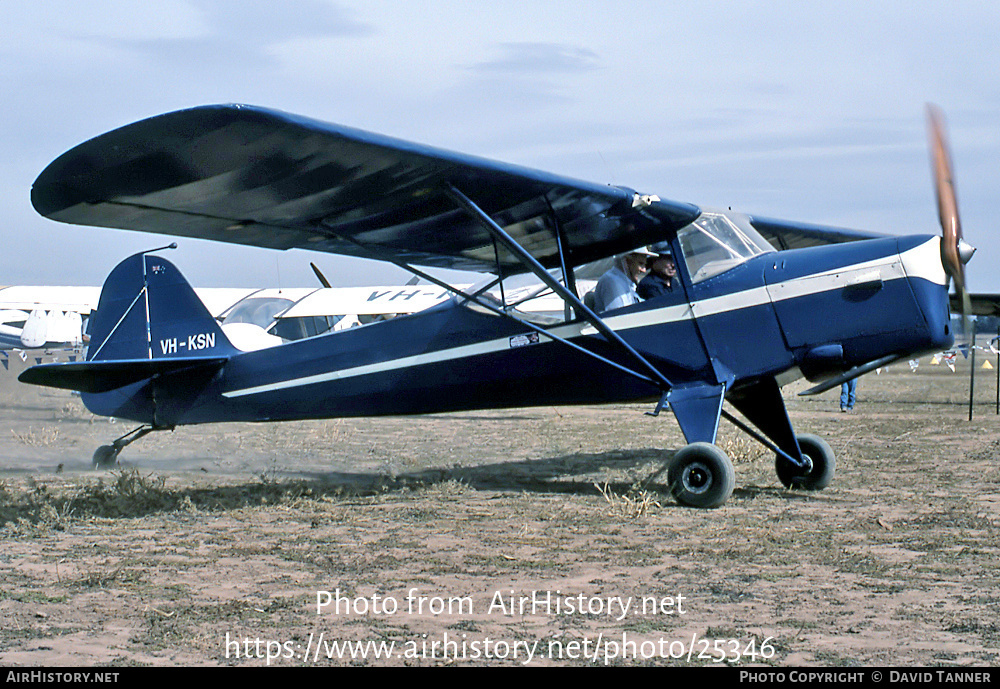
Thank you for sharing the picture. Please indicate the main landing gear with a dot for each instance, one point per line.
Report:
(106, 456)
(702, 475)
(820, 465)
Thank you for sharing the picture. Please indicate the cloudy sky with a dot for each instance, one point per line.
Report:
(802, 111)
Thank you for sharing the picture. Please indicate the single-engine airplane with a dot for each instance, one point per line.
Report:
(832, 304)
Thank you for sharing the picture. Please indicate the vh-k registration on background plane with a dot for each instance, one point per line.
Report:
(830, 305)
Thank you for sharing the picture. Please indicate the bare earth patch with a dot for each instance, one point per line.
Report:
(501, 538)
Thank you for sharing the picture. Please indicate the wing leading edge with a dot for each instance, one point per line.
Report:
(260, 177)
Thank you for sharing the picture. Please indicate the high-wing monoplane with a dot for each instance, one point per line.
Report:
(830, 305)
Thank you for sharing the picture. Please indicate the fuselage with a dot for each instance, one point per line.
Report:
(816, 310)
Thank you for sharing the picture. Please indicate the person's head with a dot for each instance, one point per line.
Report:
(663, 265)
(634, 264)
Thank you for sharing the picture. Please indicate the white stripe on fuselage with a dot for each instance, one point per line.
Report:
(917, 262)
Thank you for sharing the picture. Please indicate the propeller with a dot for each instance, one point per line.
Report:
(955, 251)
(319, 275)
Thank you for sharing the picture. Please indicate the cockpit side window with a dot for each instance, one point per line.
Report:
(522, 296)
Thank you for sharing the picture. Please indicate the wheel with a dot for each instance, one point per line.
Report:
(701, 475)
(106, 457)
(821, 461)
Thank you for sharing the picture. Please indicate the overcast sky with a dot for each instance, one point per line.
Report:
(802, 111)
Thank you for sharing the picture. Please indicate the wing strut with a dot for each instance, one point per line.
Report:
(569, 279)
(539, 271)
(851, 374)
(475, 298)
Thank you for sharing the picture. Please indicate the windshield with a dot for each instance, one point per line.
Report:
(717, 242)
(260, 311)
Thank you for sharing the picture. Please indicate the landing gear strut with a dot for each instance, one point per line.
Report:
(106, 456)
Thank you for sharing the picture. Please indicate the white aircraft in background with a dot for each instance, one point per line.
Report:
(55, 317)
(44, 317)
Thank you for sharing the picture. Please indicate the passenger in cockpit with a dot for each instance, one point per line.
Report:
(616, 288)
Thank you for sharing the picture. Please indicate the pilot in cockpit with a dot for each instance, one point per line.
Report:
(616, 288)
(662, 273)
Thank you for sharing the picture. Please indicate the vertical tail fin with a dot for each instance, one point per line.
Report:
(149, 311)
(154, 347)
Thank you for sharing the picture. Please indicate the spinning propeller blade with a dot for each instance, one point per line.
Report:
(955, 252)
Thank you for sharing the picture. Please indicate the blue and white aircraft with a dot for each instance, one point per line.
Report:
(830, 305)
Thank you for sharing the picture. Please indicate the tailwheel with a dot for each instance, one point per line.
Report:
(701, 475)
(820, 465)
(106, 457)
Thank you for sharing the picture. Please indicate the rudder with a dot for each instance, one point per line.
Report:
(147, 310)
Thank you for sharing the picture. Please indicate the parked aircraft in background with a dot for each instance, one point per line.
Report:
(40, 329)
(55, 317)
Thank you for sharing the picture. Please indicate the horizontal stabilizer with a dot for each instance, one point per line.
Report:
(104, 376)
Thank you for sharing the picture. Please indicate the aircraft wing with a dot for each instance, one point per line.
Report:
(80, 300)
(982, 304)
(218, 300)
(790, 235)
(83, 299)
(253, 176)
(368, 301)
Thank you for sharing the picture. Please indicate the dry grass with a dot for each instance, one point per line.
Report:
(634, 503)
(234, 528)
(42, 437)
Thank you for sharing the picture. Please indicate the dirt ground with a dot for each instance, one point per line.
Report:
(536, 536)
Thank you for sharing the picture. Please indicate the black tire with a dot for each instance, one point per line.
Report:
(823, 465)
(701, 475)
(106, 457)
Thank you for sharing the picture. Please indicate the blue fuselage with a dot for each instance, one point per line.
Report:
(816, 310)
